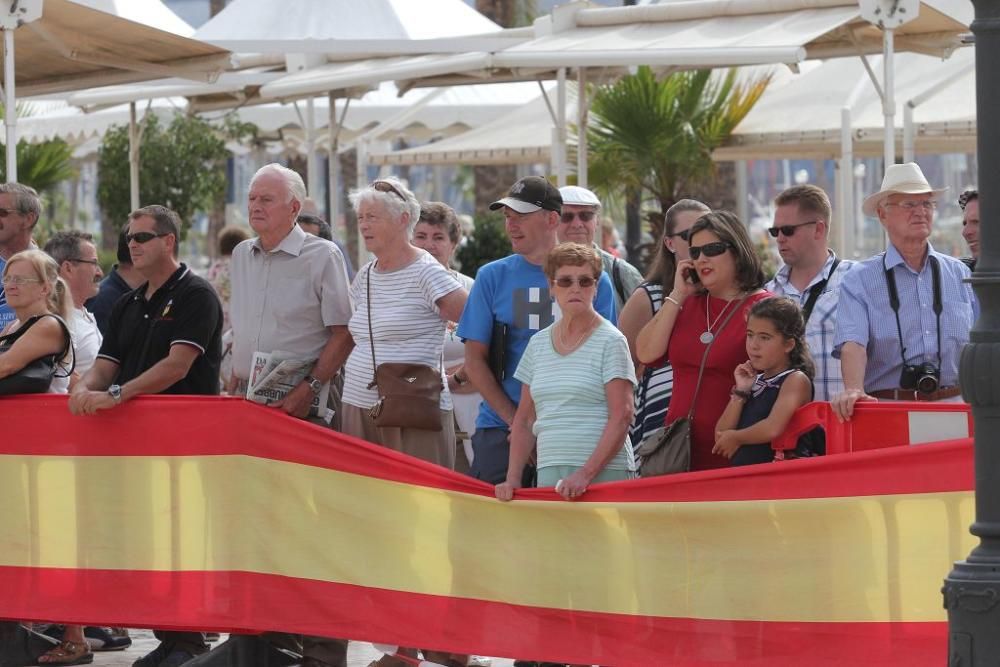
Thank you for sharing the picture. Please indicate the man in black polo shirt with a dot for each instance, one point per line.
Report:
(164, 337)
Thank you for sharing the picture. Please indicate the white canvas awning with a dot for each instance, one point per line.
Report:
(523, 136)
(803, 118)
(692, 34)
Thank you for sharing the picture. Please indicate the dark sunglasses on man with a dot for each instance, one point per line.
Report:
(713, 249)
(143, 237)
(585, 216)
(788, 230)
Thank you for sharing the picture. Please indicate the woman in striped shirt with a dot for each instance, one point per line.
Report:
(576, 400)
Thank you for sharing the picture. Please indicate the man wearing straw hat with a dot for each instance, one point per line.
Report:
(903, 315)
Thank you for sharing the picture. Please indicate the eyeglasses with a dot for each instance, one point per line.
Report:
(710, 249)
(911, 205)
(80, 260)
(4, 212)
(583, 281)
(585, 216)
(143, 237)
(685, 235)
(386, 186)
(788, 230)
(18, 280)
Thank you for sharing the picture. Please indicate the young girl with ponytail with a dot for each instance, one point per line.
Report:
(770, 387)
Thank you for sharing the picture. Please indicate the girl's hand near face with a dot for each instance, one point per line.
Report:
(744, 376)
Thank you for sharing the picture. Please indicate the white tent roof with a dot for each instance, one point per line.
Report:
(522, 136)
(945, 122)
(341, 26)
(694, 33)
(455, 110)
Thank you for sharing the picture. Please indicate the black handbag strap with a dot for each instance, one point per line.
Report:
(67, 347)
(704, 357)
(816, 290)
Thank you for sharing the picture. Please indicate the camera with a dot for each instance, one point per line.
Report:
(925, 378)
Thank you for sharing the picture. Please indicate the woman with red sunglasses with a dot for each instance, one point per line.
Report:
(705, 311)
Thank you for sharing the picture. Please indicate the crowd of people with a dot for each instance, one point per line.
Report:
(553, 367)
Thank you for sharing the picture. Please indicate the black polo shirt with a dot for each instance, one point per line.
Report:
(184, 311)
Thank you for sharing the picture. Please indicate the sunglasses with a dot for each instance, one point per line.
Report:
(585, 216)
(386, 186)
(583, 281)
(788, 230)
(142, 237)
(710, 249)
(685, 235)
(18, 280)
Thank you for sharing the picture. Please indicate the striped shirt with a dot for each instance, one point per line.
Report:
(822, 324)
(652, 396)
(571, 408)
(865, 317)
(405, 322)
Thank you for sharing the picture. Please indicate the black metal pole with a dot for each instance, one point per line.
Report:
(972, 589)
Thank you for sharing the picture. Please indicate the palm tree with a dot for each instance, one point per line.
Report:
(655, 137)
(42, 165)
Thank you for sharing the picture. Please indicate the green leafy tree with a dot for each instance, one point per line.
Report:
(488, 242)
(42, 166)
(181, 166)
(654, 137)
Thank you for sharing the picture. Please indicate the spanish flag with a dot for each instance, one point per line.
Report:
(211, 513)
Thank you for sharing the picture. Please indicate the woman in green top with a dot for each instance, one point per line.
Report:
(577, 396)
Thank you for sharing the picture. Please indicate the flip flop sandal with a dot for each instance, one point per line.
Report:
(67, 653)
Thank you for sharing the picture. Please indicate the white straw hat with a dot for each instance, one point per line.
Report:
(902, 179)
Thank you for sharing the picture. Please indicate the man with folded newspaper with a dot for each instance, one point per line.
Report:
(290, 306)
(289, 310)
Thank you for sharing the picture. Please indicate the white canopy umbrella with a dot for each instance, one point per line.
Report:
(72, 46)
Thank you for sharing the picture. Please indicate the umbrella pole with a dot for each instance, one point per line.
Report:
(133, 157)
(888, 99)
(581, 126)
(10, 110)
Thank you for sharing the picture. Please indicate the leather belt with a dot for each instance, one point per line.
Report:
(912, 395)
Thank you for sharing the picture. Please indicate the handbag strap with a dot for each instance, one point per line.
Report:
(371, 336)
(704, 357)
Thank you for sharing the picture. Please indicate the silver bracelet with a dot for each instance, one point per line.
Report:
(672, 300)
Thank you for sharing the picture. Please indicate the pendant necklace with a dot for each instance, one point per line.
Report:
(707, 336)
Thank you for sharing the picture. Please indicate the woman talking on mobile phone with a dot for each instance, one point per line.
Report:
(705, 310)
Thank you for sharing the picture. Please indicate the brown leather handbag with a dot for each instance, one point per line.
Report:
(409, 395)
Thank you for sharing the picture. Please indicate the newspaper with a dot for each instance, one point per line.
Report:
(273, 375)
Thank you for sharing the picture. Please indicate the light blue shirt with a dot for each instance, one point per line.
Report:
(865, 317)
(6, 312)
(822, 324)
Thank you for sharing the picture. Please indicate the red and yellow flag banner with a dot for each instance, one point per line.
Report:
(207, 513)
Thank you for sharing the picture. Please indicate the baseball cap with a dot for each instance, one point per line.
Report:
(531, 194)
(578, 196)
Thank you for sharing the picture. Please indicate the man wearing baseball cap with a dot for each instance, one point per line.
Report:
(580, 219)
(903, 315)
(508, 304)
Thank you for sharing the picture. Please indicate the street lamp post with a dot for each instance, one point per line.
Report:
(972, 589)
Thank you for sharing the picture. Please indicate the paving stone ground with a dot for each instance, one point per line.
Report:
(360, 654)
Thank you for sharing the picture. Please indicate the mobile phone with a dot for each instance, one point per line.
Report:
(692, 275)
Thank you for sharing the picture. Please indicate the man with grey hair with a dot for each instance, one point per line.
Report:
(289, 293)
(578, 222)
(20, 209)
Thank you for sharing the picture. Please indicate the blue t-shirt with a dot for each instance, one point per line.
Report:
(516, 292)
(6, 312)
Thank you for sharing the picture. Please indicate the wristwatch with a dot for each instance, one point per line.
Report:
(314, 384)
(115, 392)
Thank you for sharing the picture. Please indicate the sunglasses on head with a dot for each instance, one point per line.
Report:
(713, 249)
(585, 216)
(386, 186)
(685, 235)
(142, 237)
(788, 230)
(583, 281)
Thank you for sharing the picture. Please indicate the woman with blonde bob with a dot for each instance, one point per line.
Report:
(41, 302)
(576, 400)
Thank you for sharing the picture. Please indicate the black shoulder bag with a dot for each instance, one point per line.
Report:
(36, 376)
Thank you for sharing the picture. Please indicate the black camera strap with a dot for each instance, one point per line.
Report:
(890, 281)
(816, 290)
